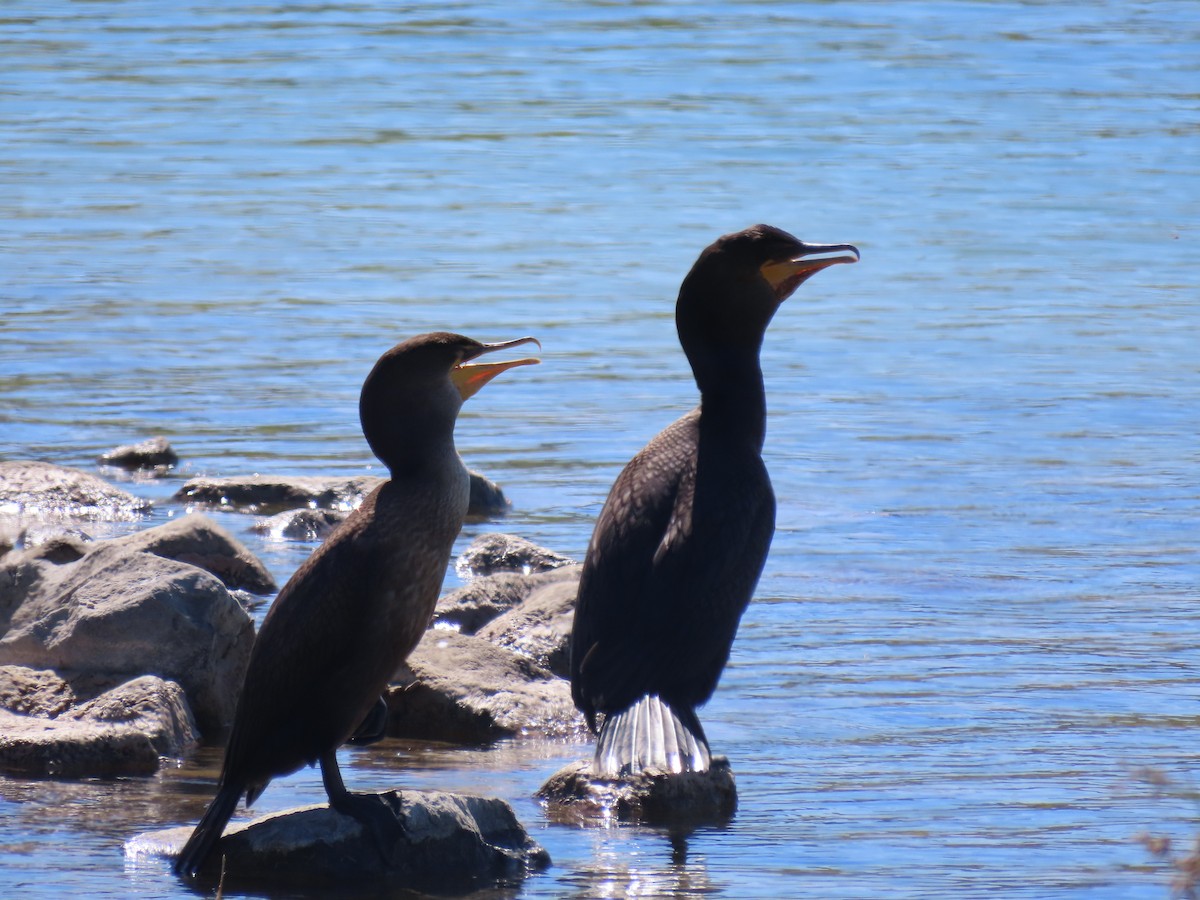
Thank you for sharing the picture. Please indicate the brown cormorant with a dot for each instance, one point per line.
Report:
(358, 606)
(683, 536)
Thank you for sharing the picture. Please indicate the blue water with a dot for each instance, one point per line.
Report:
(979, 619)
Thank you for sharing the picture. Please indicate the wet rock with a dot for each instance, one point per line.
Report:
(300, 524)
(268, 495)
(472, 606)
(41, 491)
(455, 687)
(487, 499)
(540, 627)
(199, 541)
(36, 747)
(119, 612)
(154, 455)
(121, 732)
(427, 841)
(573, 795)
(496, 552)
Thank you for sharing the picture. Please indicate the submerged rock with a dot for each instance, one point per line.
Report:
(153, 455)
(272, 494)
(573, 795)
(496, 552)
(454, 687)
(439, 843)
(42, 491)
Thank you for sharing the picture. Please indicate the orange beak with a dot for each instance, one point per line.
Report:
(469, 377)
(785, 275)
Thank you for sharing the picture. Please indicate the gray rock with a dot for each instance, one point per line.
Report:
(154, 455)
(496, 552)
(472, 606)
(199, 541)
(574, 796)
(455, 687)
(121, 612)
(122, 732)
(540, 627)
(34, 490)
(439, 843)
(300, 524)
(267, 495)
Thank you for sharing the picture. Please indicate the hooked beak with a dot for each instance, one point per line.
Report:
(785, 275)
(469, 377)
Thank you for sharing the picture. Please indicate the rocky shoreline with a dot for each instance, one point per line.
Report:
(120, 655)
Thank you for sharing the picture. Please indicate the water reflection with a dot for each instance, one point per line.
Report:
(661, 868)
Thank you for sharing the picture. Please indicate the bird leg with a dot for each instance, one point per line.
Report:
(377, 814)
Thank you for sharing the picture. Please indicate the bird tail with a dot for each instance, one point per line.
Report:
(198, 847)
(650, 734)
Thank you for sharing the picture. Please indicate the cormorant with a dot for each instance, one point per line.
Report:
(358, 606)
(683, 536)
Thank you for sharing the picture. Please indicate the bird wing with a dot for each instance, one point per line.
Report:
(657, 609)
(289, 708)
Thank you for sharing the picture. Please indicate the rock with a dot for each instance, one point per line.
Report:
(121, 612)
(268, 495)
(34, 692)
(495, 552)
(154, 706)
(440, 842)
(55, 547)
(573, 796)
(455, 687)
(154, 455)
(199, 541)
(42, 491)
(540, 627)
(271, 494)
(122, 732)
(34, 747)
(300, 524)
(487, 499)
(472, 606)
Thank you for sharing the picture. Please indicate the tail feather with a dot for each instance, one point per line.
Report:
(198, 847)
(651, 734)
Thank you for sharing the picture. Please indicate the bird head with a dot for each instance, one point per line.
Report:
(733, 290)
(410, 400)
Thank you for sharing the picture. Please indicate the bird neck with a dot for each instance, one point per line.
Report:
(417, 449)
(733, 399)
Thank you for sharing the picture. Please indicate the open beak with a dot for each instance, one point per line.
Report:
(785, 275)
(469, 377)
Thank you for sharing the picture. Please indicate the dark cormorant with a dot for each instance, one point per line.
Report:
(358, 606)
(682, 538)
